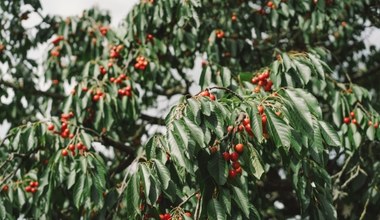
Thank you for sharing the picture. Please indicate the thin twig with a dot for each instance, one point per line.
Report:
(228, 90)
(187, 199)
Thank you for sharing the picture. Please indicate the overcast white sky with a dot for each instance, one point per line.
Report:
(118, 8)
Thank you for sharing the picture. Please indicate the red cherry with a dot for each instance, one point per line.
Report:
(239, 148)
(64, 153)
(354, 121)
(205, 93)
(232, 174)
(264, 119)
(254, 80)
(167, 216)
(212, 97)
(236, 165)
(95, 98)
(246, 121)
(234, 156)
(346, 120)
(64, 126)
(376, 125)
(80, 146)
(270, 4)
(50, 127)
(188, 214)
(5, 188)
(71, 147)
(226, 156)
(238, 170)
(33, 190)
(241, 127)
(230, 128)
(28, 189)
(352, 114)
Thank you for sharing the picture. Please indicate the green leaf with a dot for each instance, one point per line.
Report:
(163, 173)
(256, 165)
(299, 111)
(304, 71)
(175, 148)
(318, 66)
(329, 134)
(279, 131)
(205, 78)
(78, 191)
(225, 198)
(245, 76)
(215, 210)
(3, 212)
(195, 132)
(145, 174)
(132, 195)
(217, 167)
(226, 76)
(86, 139)
(241, 200)
(370, 133)
(256, 124)
(286, 61)
(317, 140)
(20, 196)
(181, 131)
(311, 102)
(71, 178)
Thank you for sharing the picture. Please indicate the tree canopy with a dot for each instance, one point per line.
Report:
(283, 123)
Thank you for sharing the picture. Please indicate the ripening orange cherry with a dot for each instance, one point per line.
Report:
(352, 114)
(64, 153)
(376, 125)
(260, 108)
(239, 148)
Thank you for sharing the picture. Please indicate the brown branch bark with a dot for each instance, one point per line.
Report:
(31, 90)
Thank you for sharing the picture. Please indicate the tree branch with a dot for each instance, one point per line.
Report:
(31, 90)
(153, 120)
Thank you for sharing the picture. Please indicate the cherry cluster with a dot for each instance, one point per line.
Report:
(64, 130)
(350, 118)
(262, 81)
(127, 91)
(58, 39)
(207, 93)
(165, 216)
(115, 51)
(219, 34)
(119, 79)
(72, 147)
(141, 63)
(244, 125)
(233, 157)
(32, 187)
(97, 95)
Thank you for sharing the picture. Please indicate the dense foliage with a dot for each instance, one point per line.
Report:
(282, 124)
